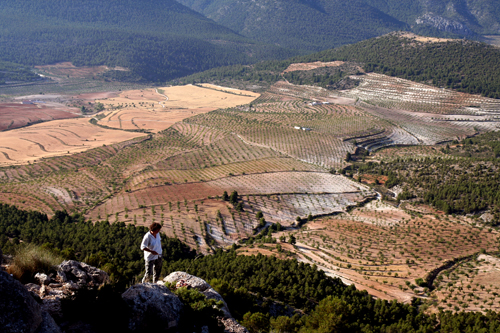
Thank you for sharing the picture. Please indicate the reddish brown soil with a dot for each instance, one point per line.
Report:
(371, 179)
(15, 115)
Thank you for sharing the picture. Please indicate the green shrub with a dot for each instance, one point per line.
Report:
(199, 311)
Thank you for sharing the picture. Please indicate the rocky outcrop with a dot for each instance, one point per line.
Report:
(153, 307)
(48, 324)
(71, 276)
(44, 279)
(19, 312)
(183, 279)
(444, 24)
(78, 274)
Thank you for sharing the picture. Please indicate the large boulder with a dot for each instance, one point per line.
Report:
(19, 312)
(48, 324)
(183, 279)
(153, 308)
(80, 274)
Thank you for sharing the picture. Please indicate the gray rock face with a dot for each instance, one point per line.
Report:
(19, 312)
(444, 24)
(153, 307)
(81, 273)
(48, 325)
(183, 279)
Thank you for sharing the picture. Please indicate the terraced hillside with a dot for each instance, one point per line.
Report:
(391, 251)
(218, 166)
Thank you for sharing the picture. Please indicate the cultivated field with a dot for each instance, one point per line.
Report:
(15, 115)
(472, 285)
(56, 138)
(281, 151)
(281, 196)
(395, 93)
(385, 250)
(157, 109)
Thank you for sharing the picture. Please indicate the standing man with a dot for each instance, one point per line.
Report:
(151, 245)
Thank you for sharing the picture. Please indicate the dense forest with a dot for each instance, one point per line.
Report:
(251, 285)
(156, 40)
(300, 25)
(12, 72)
(334, 77)
(321, 24)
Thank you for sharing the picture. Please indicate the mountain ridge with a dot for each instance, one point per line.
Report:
(359, 19)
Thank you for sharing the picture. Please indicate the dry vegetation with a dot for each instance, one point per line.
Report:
(424, 39)
(69, 70)
(312, 65)
(157, 109)
(55, 138)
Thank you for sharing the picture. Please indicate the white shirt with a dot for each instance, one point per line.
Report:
(154, 244)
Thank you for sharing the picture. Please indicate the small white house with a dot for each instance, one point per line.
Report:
(297, 127)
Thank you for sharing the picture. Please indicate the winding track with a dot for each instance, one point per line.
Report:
(161, 102)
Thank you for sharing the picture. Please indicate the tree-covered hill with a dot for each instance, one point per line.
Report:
(467, 66)
(157, 40)
(322, 24)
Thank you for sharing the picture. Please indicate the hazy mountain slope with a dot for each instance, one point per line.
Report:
(321, 24)
(299, 24)
(462, 17)
(158, 40)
